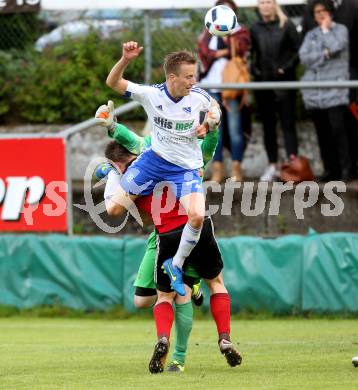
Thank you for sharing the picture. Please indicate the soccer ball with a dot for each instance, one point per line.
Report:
(220, 20)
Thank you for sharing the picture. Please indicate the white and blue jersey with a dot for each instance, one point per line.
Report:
(150, 170)
(173, 122)
(175, 156)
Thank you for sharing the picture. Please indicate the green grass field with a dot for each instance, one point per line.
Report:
(61, 353)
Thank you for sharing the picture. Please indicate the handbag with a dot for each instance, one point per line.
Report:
(235, 71)
(297, 169)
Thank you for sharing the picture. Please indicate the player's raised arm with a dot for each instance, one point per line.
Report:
(115, 80)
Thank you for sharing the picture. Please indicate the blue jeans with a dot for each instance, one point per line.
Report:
(235, 132)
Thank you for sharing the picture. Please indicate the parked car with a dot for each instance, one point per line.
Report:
(109, 21)
(104, 22)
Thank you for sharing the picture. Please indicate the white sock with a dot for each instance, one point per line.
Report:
(113, 181)
(189, 239)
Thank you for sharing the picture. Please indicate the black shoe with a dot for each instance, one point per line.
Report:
(353, 173)
(160, 353)
(326, 177)
(355, 361)
(347, 177)
(232, 356)
(197, 295)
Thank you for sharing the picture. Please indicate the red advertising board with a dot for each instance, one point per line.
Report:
(33, 188)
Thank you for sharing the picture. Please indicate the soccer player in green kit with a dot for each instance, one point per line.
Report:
(145, 293)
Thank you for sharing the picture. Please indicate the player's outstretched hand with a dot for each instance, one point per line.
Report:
(213, 118)
(131, 50)
(105, 115)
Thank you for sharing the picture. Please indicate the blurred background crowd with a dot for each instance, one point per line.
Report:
(272, 48)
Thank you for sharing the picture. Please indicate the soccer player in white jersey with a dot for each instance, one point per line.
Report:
(173, 108)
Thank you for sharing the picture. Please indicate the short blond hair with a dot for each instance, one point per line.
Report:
(173, 61)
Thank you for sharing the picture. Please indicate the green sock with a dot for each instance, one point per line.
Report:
(183, 325)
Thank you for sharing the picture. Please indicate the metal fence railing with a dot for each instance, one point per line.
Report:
(283, 85)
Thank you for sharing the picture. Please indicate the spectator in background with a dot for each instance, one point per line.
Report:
(214, 52)
(324, 54)
(344, 12)
(275, 44)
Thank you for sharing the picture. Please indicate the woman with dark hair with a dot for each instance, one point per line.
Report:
(275, 44)
(325, 56)
(214, 53)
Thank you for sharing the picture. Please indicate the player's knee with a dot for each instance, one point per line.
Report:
(211, 285)
(196, 219)
(185, 299)
(165, 297)
(144, 302)
(111, 211)
(216, 285)
(114, 210)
